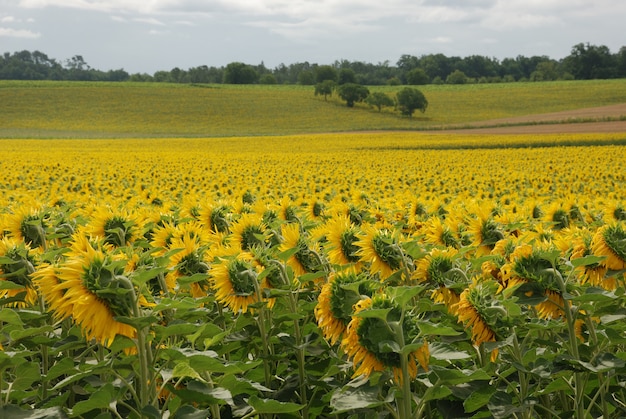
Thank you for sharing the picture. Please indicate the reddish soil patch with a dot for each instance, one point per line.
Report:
(553, 123)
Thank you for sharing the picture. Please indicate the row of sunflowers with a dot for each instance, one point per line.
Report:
(312, 306)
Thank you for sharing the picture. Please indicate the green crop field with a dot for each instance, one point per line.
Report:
(120, 110)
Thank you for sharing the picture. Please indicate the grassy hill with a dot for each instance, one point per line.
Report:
(110, 110)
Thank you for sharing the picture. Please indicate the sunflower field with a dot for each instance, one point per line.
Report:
(373, 275)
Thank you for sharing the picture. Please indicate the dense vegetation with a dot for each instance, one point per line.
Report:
(584, 62)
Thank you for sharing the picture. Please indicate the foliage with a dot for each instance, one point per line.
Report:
(584, 62)
(379, 100)
(325, 88)
(410, 99)
(352, 93)
(456, 77)
(466, 298)
(417, 76)
(240, 73)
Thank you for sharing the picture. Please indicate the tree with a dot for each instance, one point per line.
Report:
(591, 62)
(417, 76)
(325, 88)
(456, 77)
(240, 73)
(325, 72)
(267, 79)
(352, 92)
(378, 100)
(409, 99)
(346, 75)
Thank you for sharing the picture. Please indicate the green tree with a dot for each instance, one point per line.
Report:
(306, 78)
(378, 100)
(352, 93)
(456, 77)
(240, 73)
(325, 72)
(417, 76)
(325, 88)
(409, 99)
(267, 79)
(346, 75)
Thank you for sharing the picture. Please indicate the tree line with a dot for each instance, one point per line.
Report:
(585, 61)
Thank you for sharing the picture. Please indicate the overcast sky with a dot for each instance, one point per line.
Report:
(144, 36)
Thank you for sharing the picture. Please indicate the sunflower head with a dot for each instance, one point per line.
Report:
(16, 268)
(303, 259)
(380, 248)
(435, 267)
(374, 345)
(235, 281)
(29, 225)
(249, 231)
(610, 241)
(336, 302)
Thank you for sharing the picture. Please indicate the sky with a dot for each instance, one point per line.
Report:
(145, 36)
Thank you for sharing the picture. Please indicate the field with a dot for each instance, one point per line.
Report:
(177, 251)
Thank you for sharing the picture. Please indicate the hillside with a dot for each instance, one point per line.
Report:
(122, 110)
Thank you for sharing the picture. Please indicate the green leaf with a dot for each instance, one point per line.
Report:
(558, 384)
(587, 260)
(444, 352)
(15, 412)
(25, 375)
(378, 313)
(10, 285)
(610, 318)
(183, 369)
(312, 276)
(100, 399)
(190, 412)
(403, 295)
(596, 294)
(65, 366)
(31, 331)
(284, 256)
(186, 280)
(455, 377)
(348, 399)
(478, 398)
(10, 317)
(436, 393)
(429, 328)
(263, 406)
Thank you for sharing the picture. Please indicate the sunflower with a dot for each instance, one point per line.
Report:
(595, 273)
(335, 302)
(28, 224)
(366, 338)
(304, 259)
(440, 233)
(235, 281)
(470, 312)
(435, 265)
(610, 241)
(216, 218)
(94, 290)
(616, 212)
(46, 280)
(486, 233)
(189, 261)
(379, 248)
(315, 210)
(16, 269)
(342, 236)
(248, 231)
(114, 228)
(557, 216)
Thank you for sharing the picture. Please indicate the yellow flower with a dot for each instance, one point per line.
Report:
(28, 224)
(440, 233)
(342, 236)
(16, 274)
(434, 266)
(114, 228)
(467, 311)
(335, 303)
(234, 280)
(381, 250)
(248, 231)
(189, 261)
(365, 334)
(90, 286)
(610, 241)
(303, 260)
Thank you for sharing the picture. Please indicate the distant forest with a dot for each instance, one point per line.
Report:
(584, 62)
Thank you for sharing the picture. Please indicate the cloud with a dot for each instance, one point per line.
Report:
(18, 33)
(7, 19)
(150, 21)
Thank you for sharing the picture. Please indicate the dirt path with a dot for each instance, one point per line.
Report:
(552, 123)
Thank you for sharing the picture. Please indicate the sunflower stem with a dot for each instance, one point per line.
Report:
(405, 407)
(261, 323)
(146, 380)
(293, 306)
